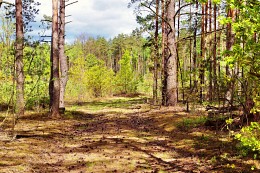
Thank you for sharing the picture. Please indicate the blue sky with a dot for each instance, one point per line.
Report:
(106, 18)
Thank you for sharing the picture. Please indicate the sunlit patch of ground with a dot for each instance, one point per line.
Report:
(119, 135)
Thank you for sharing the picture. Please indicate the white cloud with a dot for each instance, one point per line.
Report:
(105, 18)
(101, 18)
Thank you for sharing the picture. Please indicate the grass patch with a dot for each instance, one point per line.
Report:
(187, 123)
(116, 103)
(90, 164)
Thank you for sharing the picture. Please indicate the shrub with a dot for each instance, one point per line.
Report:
(99, 80)
(249, 138)
(89, 77)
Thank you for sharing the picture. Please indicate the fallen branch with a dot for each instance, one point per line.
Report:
(213, 109)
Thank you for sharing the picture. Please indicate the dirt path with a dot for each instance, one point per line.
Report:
(116, 136)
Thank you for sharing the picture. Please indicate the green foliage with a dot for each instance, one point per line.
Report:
(193, 122)
(216, 1)
(100, 80)
(7, 28)
(245, 50)
(36, 70)
(257, 105)
(249, 138)
(145, 83)
(6, 88)
(93, 62)
(37, 74)
(126, 81)
(95, 78)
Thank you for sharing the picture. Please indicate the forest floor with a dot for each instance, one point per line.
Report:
(120, 135)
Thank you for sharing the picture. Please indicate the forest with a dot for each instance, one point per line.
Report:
(181, 93)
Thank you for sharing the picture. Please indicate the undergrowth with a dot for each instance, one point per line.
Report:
(249, 138)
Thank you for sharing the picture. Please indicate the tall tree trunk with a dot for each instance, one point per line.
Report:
(179, 68)
(164, 53)
(62, 56)
(210, 54)
(156, 55)
(55, 82)
(202, 52)
(195, 45)
(215, 51)
(172, 81)
(220, 43)
(190, 48)
(19, 58)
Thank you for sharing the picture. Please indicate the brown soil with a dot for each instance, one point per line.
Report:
(115, 138)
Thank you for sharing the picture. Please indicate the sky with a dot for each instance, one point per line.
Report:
(106, 18)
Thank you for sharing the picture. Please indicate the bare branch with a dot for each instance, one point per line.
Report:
(178, 11)
(255, 74)
(45, 41)
(161, 17)
(46, 20)
(4, 2)
(46, 36)
(68, 22)
(71, 3)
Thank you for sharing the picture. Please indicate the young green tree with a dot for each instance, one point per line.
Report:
(125, 78)
(99, 79)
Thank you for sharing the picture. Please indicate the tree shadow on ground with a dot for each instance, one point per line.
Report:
(194, 152)
(115, 142)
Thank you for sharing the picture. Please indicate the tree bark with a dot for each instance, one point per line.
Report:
(55, 82)
(156, 55)
(62, 57)
(210, 54)
(194, 65)
(215, 87)
(179, 68)
(190, 48)
(164, 53)
(202, 52)
(19, 58)
(172, 82)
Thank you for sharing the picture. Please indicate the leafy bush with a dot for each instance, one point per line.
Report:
(6, 89)
(256, 108)
(89, 77)
(99, 80)
(249, 138)
(37, 103)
